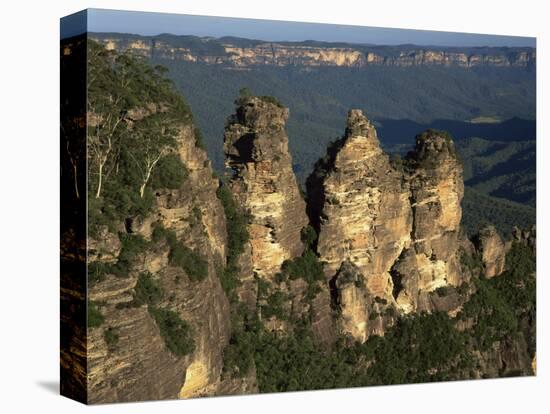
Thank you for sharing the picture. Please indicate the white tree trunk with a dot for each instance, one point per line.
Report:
(149, 170)
(98, 193)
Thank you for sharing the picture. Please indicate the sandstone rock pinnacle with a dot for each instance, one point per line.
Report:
(397, 223)
(262, 180)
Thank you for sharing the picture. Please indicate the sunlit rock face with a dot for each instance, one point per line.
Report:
(352, 299)
(397, 221)
(262, 181)
(437, 189)
(366, 217)
(140, 366)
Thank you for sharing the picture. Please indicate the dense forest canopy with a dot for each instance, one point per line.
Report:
(419, 348)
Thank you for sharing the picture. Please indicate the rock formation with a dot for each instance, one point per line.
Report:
(396, 221)
(263, 183)
(367, 218)
(492, 250)
(527, 237)
(140, 367)
(387, 245)
(353, 301)
(437, 188)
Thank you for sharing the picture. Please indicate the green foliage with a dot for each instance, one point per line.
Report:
(147, 291)
(194, 265)
(119, 200)
(471, 263)
(135, 116)
(275, 306)
(503, 304)
(95, 317)
(132, 247)
(160, 233)
(479, 209)
(308, 236)
(494, 318)
(307, 267)
(408, 353)
(500, 169)
(237, 237)
(111, 337)
(177, 333)
(237, 233)
(170, 173)
(97, 272)
(272, 100)
(518, 283)
(238, 355)
(263, 286)
(420, 348)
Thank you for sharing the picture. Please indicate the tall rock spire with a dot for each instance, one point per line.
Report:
(366, 216)
(262, 180)
(437, 188)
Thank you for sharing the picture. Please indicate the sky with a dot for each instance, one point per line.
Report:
(146, 23)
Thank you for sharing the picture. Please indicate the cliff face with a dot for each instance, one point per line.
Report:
(263, 183)
(396, 223)
(367, 218)
(227, 52)
(140, 366)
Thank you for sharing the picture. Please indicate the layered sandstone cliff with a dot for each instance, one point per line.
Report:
(367, 217)
(395, 222)
(251, 53)
(140, 366)
(263, 183)
(437, 188)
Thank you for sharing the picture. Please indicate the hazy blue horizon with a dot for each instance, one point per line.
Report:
(153, 23)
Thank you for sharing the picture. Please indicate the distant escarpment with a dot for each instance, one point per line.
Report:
(242, 53)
